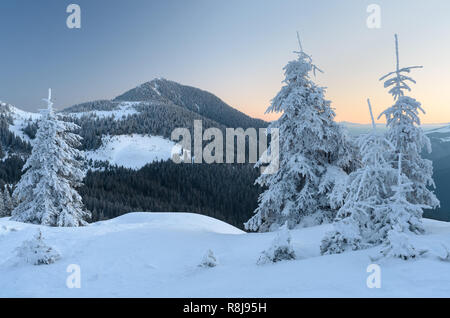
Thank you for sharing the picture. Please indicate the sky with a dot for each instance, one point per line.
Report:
(235, 49)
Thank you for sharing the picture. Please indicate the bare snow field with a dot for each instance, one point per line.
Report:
(123, 110)
(20, 120)
(157, 255)
(133, 151)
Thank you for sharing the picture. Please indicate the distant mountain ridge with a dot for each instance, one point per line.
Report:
(193, 99)
(356, 129)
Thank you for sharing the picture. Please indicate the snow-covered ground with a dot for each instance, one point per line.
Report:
(133, 151)
(21, 119)
(130, 151)
(157, 255)
(123, 110)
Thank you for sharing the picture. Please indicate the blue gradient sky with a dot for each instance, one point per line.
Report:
(235, 49)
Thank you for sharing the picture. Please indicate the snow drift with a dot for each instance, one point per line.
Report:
(157, 255)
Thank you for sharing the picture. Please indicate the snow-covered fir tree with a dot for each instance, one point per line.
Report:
(408, 138)
(398, 245)
(359, 222)
(37, 252)
(314, 153)
(46, 192)
(8, 201)
(379, 207)
(209, 260)
(3, 211)
(281, 248)
(403, 218)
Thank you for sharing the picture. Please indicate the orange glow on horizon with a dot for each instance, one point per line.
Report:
(356, 111)
(353, 108)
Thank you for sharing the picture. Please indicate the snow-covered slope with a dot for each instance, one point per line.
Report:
(157, 255)
(21, 119)
(130, 151)
(121, 111)
(133, 151)
(445, 129)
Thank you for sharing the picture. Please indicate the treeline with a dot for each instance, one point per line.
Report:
(14, 147)
(152, 118)
(223, 191)
(10, 170)
(9, 142)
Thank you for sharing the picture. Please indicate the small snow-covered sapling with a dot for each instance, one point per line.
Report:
(209, 260)
(37, 252)
(281, 248)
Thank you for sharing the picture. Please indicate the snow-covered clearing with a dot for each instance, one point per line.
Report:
(21, 119)
(133, 151)
(123, 110)
(157, 255)
(130, 151)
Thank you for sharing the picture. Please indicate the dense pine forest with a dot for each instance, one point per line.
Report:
(225, 192)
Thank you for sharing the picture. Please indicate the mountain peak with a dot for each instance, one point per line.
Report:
(193, 99)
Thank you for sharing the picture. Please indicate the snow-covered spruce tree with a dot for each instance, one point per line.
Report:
(281, 248)
(37, 252)
(3, 211)
(8, 201)
(45, 193)
(359, 222)
(314, 153)
(402, 219)
(209, 260)
(408, 138)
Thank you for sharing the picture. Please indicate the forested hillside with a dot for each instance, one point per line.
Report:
(12, 149)
(150, 118)
(9, 142)
(226, 192)
(156, 108)
(193, 99)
